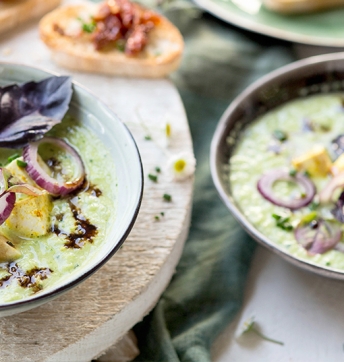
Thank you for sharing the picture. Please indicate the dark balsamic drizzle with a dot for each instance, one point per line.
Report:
(84, 231)
(28, 279)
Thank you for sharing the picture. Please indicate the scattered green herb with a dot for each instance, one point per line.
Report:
(325, 128)
(88, 27)
(306, 219)
(283, 222)
(13, 157)
(293, 172)
(21, 163)
(158, 169)
(120, 45)
(280, 135)
(162, 214)
(313, 205)
(167, 197)
(157, 218)
(153, 178)
(328, 263)
(148, 138)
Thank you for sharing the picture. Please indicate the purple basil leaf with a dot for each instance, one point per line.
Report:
(30, 110)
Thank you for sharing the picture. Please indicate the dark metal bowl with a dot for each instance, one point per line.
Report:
(315, 75)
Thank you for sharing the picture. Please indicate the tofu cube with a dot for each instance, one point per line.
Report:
(316, 162)
(30, 216)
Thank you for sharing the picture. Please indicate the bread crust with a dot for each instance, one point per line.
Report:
(300, 6)
(161, 55)
(15, 12)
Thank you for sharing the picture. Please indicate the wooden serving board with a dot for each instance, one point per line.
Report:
(86, 321)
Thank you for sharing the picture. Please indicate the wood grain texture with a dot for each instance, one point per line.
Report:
(87, 320)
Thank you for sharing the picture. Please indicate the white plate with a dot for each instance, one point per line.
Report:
(323, 28)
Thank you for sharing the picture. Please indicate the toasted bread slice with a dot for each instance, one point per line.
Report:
(161, 55)
(15, 12)
(301, 6)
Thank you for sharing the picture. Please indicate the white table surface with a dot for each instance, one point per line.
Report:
(300, 309)
(303, 310)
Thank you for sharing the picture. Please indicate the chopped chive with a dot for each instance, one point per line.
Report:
(21, 163)
(162, 214)
(283, 222)
(120, 45)
(148, 138)
(313, 205)
(167, 197)
(280, 135)
(158, 169)
(156, 217)
(13, 157)
(293, 172)
(89, 27)
(153, 178)
(275, 216)
(306, 219)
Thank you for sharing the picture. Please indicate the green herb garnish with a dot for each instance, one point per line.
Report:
(167, 197)
(293, 172)
(120, 45)
(88, 27)
(313, 205)
(156, 217)
(21, 163)
(158, 169)
(13, 157)
(280, 135)
(283, 222)
(306, 219)
(148, 138)
(153, 178)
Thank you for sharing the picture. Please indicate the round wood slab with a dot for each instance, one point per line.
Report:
(86, 321)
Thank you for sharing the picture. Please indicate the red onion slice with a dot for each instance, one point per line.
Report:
(318, 237)
(267, 181)
(3, 181)
(26, 189)
(44, 180)
(326, 193)
(7, 201)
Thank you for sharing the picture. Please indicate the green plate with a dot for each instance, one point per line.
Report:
(324, 28)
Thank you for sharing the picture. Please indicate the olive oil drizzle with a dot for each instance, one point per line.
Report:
(28, 279)
(85, 231)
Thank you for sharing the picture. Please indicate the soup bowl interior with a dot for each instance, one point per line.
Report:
(317, 75)
(125, 160)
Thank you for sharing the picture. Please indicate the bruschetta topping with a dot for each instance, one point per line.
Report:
(122, 24)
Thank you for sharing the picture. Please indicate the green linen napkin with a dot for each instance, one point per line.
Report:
(207, 289)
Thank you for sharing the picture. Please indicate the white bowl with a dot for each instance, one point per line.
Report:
(129, 172)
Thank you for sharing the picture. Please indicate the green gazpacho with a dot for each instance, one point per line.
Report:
(57, 192)
(287, 177)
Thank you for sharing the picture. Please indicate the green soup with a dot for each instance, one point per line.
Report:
(304, 123)
(78, 222)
